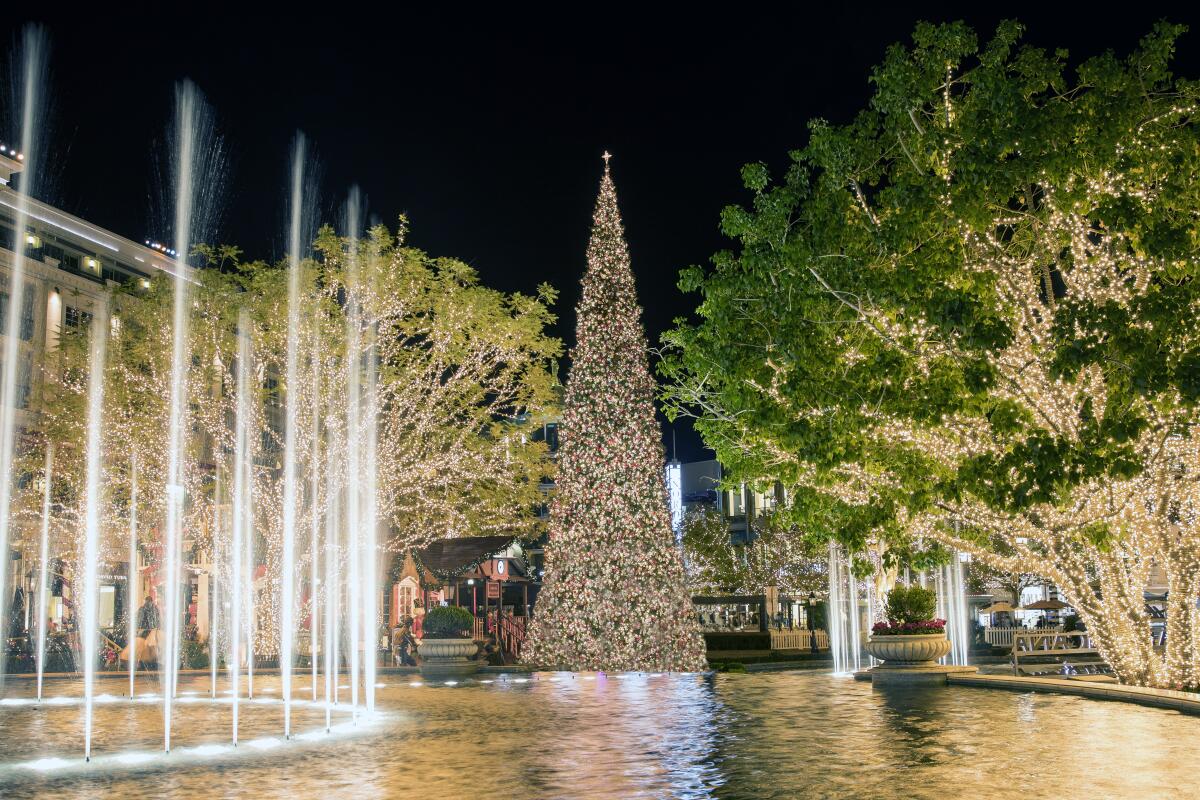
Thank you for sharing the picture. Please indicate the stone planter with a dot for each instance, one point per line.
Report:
(447, 658)
(919, 650)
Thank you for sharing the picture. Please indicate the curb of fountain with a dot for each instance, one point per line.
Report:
(1183, 702)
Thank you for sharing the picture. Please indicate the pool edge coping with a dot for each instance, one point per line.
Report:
(1139, 695)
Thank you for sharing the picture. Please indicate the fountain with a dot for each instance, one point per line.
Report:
(43, 570)
(845, 638)
(354, 440)
(287, 603)
(33, 47)
(314, 473)
(952, 607)
(370, 555)
(91, 549)
(241, 519)
(131, 594)
(343, 439)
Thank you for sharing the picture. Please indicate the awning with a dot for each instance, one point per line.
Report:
(446, 559)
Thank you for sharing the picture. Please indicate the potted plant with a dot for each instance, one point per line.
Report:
(911, 637)
(446, 647)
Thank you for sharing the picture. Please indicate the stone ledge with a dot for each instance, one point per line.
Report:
(915, 675)
(1184, 702)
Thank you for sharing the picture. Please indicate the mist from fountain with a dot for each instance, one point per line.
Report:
(33, 59)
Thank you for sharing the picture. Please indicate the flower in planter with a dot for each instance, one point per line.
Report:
(909, 612)
(909, 628)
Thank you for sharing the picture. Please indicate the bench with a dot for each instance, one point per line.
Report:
(1069, 652)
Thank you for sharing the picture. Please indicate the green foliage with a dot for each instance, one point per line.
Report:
(910, 604)
(448, 622)
(465, 374)
(195, 654)
(851, 297)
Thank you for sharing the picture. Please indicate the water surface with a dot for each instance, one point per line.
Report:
(783, 735)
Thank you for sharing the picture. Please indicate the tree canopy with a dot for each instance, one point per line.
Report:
(968, 316)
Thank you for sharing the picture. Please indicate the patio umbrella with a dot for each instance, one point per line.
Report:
(998, 607)
(1046, 605)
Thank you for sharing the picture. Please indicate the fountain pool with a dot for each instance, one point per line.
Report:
(784, 735)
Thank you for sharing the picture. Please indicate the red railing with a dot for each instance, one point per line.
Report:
(512, 635)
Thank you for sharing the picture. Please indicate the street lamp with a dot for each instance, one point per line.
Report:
(812, 632)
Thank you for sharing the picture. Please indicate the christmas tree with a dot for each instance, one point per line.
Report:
(614, 596)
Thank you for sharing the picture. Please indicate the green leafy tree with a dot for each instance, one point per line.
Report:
(462, 371)
(968, 316)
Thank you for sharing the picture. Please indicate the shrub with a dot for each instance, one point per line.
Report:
(195, 654)
(906, 604)
(448, 622)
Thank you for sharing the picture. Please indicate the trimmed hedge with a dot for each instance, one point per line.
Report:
(448, 622)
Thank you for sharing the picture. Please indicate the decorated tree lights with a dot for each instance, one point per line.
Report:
(614, 596)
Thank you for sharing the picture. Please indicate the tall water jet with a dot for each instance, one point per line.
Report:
(843, 616)
(354, 433)
(952, 607)
(131, 592)
(314, 505)
(33, 51)
(332, 579)
(241, 504)
(91, 545)
(248, 608)
(214, 586)
(196, 152)
(287, 603)
(370, 545)
(44, 567)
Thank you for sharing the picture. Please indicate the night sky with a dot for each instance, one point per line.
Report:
(487, 130)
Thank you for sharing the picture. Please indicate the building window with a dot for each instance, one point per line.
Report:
(24, 376)
(24, 380)
(27, 301)
(76, 319)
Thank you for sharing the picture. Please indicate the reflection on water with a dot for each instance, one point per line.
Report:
(784, 735)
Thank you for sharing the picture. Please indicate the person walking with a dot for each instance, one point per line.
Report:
(146, 647)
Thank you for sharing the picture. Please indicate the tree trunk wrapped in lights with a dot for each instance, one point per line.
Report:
(968, 318)
(614, 596)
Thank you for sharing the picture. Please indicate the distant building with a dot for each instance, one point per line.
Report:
(69, 266)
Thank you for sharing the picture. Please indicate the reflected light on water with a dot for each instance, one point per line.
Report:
(714, 736)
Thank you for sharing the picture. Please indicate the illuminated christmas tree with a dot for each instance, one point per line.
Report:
(614, 596)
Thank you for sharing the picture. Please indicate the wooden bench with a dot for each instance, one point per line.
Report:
(1061, 647)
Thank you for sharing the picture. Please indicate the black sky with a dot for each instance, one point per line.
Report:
(487, 131)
